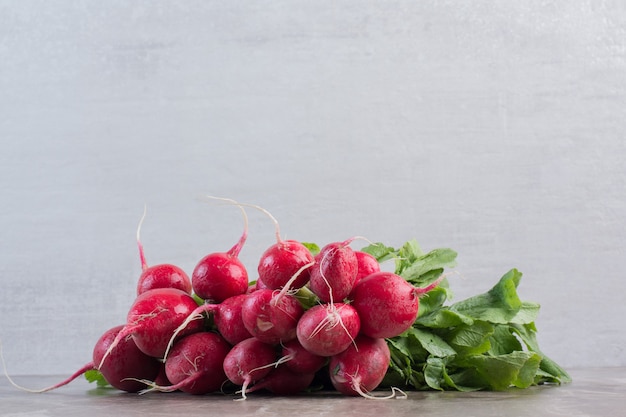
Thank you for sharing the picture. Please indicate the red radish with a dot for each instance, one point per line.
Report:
(228, 318)
(281, 262)
(221, 275)
(163, 276)
(367, 265)
(334, 273)
(300, 360)
(271, 318)
(249, 361)
(161, 378)
(328, 329)
(360, 368)
(387, 304)
(159, 276)
(284, 264)
(194, 365)
(284, 381)
(257, 285)
(124, 361)
(154, 317)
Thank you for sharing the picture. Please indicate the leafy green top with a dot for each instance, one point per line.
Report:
(485, 342)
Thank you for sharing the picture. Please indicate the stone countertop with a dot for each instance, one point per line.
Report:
(593, 392)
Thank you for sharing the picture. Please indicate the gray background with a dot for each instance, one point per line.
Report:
(493, 128)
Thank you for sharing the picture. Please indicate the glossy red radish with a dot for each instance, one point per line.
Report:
(124, 363)
(228, 319)
(221, 275)
(284, 381)
(285, 263)
(195, 364)
(300, 360)
(328, 329)
(387, 304)
(367, 264)
(153, 318)
(334, 273)
(271, 318)
(256, 285)
(161, 275)
(249, 361)
(361, 368)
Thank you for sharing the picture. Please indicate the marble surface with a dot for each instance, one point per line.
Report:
(593, 392)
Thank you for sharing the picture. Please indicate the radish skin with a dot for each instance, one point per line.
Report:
(284, 381)
(387, 304)
(328, 329)
(281, 262)
(334, 273)
(300, 360)
(153, 318)
(269, 318)
(366, 265)
(228, 318)
(194, 365)
(221, 275)
(248, 361)
(361, 367)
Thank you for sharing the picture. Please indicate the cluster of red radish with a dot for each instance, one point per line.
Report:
(259, 336)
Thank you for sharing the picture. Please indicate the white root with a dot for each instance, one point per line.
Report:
(72, 377)
(287, 286)
(234, 251)
(254, 206)
(396, 393)
(195, 315)
(142, 257)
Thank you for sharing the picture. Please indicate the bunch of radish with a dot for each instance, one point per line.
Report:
(215, 329)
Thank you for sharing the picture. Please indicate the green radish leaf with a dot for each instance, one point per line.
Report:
(435, 260)
(380, 252)
(433, 299)
(93, 375)
(503, 371)
(434, 373)
(499, 305)
(465, 380)
(503, 341)
(487, 341)
(443, 318)
(434, 344)
(312, 247)
(471, 339)
(555, 374)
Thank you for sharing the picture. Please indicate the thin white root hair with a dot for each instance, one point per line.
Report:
(352, 239)
(234, 251)
(142, 257)
(125, 331)
(151, 386)
(334, 318)
(288, 284)
(242, 391)
(81, 371)
(268, 214)
(195, 315)
(276, 364)
(330, 289)
(396, 393)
